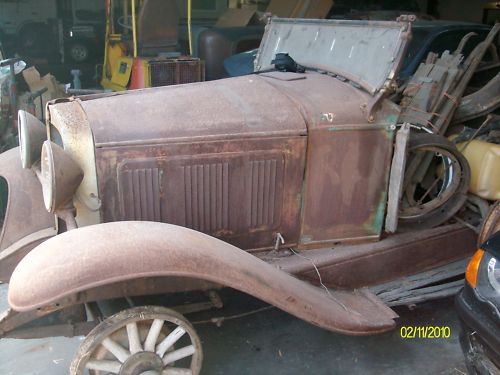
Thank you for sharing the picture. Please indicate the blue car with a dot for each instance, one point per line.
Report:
(427, 36)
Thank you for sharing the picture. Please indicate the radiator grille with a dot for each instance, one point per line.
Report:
(167, 72)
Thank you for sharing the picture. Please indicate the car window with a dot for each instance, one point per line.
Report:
(418, 38)
(450, 40)
(423, 42)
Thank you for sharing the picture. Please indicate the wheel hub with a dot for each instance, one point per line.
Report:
(142, 362)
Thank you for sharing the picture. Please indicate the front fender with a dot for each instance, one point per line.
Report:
(26, 222)
(103, 254)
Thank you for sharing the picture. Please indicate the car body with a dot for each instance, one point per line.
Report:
(478, 306)
(427, 36)
(210, 184)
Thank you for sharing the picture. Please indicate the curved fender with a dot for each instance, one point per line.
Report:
(102, 254)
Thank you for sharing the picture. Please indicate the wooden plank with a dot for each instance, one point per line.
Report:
(428, 296)
(401, 294)
(424, 278)
(396, 178)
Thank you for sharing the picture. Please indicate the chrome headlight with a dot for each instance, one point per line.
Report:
(60, 176)
(32, 134)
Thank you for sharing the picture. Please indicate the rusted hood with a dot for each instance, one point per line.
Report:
(322, 100)
(113, 252)
(268, 104)
(238, 107)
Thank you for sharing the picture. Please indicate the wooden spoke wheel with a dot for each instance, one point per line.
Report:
(146, 340)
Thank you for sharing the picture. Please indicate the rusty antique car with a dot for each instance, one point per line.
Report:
(276, 184)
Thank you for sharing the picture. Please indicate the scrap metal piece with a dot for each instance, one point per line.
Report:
(424, 286)
(452, 96)
(480, 103)
(491, 224)
(463, 42)
(103, 254)
(434, 93)
(396, 178)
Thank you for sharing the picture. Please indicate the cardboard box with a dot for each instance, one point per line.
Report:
(238, 17)
(36, 82)
(300, 8)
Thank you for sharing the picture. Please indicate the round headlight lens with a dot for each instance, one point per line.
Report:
(32, 134)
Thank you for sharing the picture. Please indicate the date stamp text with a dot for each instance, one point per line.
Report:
(425, 332)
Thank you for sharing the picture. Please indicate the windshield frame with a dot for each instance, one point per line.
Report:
(316, 52)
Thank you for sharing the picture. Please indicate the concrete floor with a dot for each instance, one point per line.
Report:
(273, 342)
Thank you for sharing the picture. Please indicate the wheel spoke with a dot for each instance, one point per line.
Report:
(178, 354)
(154, 332)
(170, 340)
(134, 340)
(177, 371)
(103, 365)
(116, 349)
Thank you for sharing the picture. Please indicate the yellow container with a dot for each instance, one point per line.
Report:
(484, 161)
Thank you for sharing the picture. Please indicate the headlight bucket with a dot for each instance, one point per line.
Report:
(60, 176)
(488, 281)
(32, 134)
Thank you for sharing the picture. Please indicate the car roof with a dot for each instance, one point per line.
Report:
(441, 25)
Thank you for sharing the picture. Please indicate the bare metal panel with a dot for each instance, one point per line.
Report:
(346, 183)
(322, 100)
(368, 53)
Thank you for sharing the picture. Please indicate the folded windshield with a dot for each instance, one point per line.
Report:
(367, 53)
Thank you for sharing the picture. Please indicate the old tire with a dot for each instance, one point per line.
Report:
(78, 51)
(429, 211)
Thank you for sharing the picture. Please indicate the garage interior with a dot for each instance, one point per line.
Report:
(99, 51)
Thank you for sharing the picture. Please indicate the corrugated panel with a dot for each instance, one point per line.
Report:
(242, 192)
(262, 192)
(206, 189)
(140, 191)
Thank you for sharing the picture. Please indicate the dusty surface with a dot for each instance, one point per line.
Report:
(273, 342)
